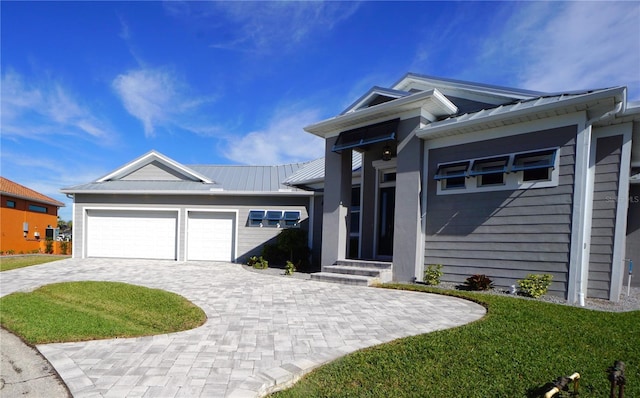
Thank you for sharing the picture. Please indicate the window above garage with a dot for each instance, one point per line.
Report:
(274, 218)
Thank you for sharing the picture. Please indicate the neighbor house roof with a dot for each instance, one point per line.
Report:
(10, 188)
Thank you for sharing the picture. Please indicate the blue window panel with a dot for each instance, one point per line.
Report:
(489, 166)
(451, 170)
(534, 160)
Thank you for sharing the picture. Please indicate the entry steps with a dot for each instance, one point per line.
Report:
(355, 272)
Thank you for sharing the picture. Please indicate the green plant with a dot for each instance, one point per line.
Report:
(11, 252)
(258, 262)
(64, 247)
(432, 274)
(48, 246)
(479, 282)
(289, 268)
(535, 285)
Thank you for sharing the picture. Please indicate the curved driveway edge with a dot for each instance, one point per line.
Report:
(262, 333)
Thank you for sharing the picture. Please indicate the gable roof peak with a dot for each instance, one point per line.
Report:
(150, 157)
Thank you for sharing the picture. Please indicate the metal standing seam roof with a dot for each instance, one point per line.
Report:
(10, 188)
(314, 171)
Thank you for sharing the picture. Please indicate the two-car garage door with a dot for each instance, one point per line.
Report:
(153, 234)
(132, 234)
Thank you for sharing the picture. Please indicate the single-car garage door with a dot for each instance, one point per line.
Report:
(132, 234)
(210, 236)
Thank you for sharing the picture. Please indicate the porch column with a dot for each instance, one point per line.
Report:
(407, 259)
(368, 205)
(337, 200)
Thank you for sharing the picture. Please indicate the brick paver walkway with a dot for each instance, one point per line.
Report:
(263, 332)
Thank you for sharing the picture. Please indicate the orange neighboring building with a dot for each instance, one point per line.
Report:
(25, 216)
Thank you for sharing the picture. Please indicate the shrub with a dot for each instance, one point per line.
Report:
(432, 274)
(49, 246)
(258, 262)
(535, 285)
(293, 242)
(64, 247)
(479, 282)
(289, 268)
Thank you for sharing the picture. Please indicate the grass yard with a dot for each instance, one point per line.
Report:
(12, 262)
(519, 346)
(78, 311)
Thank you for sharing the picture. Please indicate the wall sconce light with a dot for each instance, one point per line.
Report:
(386, 153)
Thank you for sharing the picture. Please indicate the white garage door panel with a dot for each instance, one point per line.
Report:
(131, 234)
(210, 236)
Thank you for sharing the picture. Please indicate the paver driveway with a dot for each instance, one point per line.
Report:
(262, 331)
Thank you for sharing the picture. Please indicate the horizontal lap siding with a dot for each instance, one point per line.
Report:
(250, 239)
(605, 201)
(505, 235)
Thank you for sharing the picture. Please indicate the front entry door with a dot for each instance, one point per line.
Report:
(386, 210)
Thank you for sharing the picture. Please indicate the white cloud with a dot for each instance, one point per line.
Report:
(572, 45)
(158, 98)
(263, 26)
(282, 141)
(36, 110)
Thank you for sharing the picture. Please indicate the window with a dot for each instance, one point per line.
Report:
(38, 209)
(452, 175)
(535, 166)
(489, 171)
(273, 218)
(354, 223)
(520, 170)
(291, 218)
(256, 217)
(11, 204)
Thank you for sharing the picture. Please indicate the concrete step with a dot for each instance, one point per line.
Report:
(343, 278)
(349, 270)
(365, 264)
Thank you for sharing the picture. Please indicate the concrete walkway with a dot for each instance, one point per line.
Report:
(263, 332)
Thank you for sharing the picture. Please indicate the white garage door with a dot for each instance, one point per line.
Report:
(131, 234)
(210, 236)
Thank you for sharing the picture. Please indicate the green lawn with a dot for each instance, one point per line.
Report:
(12, 262)
(519, 346)
(77, 311)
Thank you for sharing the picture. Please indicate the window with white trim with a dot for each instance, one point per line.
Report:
(452, 175)
(535, 166)
(521, 170)
(489, 171)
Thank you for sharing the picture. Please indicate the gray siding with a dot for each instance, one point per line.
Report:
(154, 171)
(605, 205)
(633, 234)
(503, 234)
(250, 239)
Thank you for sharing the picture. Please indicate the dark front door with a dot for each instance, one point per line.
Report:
(387, 201)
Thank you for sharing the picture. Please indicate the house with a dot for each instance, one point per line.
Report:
(483, 180)
(156, 208)
(27, 217)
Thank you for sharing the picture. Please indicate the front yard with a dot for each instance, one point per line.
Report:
(519, 346)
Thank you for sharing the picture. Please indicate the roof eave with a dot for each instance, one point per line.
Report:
(572, 105)
(335, 124)
(185, 192)
(52, 202)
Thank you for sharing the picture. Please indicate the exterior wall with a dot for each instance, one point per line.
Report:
(503, 234)
(250, 239)
(633, 235)
(605, 203)
(11, 224)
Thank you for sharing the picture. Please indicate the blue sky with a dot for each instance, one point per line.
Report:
(89, 86)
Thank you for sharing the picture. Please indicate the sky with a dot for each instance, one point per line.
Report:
(89, 86)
